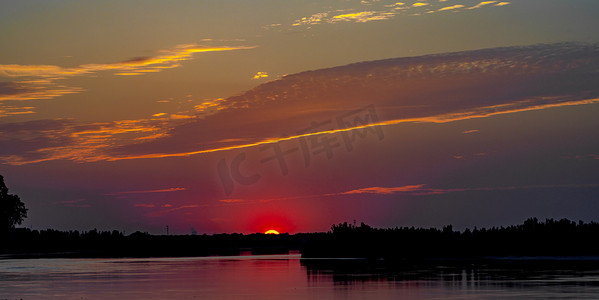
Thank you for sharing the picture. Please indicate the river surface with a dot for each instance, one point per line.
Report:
(282, 277)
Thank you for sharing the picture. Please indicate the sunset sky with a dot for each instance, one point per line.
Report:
(244, 116)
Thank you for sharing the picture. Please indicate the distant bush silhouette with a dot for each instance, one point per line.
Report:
(12, 210)
(348, 228)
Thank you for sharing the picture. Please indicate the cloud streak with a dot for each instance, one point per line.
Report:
(423, 190)
(9, 110)
(360, 17)
(453, 7)
(434, 89)
(46, 140)
(95, 149)
(169, 58)
(38, 82)
(481, 4)
(412, 190)
(380, 11)
(169, 190)
(386, 190)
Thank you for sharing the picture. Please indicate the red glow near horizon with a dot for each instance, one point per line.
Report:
(267, 222)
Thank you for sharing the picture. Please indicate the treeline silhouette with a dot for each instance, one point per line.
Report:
(27, 243)
(532, 238)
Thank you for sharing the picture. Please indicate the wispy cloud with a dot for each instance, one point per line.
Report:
(167, 59)
(42, 81)
(45, 140)
(260, 75)
(396, 5)
(453, 7)
(38, 90)
(311, 20)
(9, 110)
(470, 131)
(231, 200)
(334, 17)
(481, 4)
(271, 26)
(170, 208)
(72, 203)
(377, 11)
(423, 190)
(211, 106)
(386, 190)
(147, 191)
(227, 124)
(479, 113)
(363, 16)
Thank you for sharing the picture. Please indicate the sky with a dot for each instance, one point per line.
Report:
(245, 116)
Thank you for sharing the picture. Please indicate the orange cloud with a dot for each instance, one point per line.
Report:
(211, 106)
(481, 4)
(451, 7)
(42, 78)
(231, 200)
(311, 20)
(470, 131)
(385, 12)
(395, 4)
(235, 126)
(385, 190)
(147, 191)
(93, 145)
(180, 117)
(9, 110)
(422, 190)
(260, 75)
(358, 17)
(477, 113)
(40, 92)
(30, 70)
(65, 140)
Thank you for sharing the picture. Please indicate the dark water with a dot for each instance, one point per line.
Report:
(284, 277)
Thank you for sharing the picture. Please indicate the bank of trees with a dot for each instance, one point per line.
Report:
(531, 238)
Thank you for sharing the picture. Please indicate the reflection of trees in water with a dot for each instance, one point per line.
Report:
(474, 274)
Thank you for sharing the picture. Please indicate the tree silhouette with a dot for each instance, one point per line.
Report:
(12, 210)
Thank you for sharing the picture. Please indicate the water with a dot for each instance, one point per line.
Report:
(282, 277)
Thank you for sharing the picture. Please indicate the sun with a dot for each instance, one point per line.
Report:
(271, 231)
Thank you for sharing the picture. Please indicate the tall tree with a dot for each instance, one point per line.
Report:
(12, 210)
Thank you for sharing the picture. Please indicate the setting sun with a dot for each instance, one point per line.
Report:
(271, 231)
